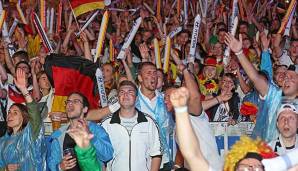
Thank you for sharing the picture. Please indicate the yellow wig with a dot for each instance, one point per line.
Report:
(242, 147)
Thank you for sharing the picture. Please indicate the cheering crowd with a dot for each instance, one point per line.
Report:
(189, 63)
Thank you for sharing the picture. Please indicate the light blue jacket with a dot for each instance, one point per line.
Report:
(101, 142)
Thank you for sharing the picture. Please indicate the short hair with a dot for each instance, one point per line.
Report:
(143, 64)
(21, 54)
(243, 23)
(84, 98)
(128, 83)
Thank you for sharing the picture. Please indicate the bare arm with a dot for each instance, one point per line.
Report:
(188, 142)
(258, 80)
(8, 60)
(277, 49)
(3, 74)
(87, 52)
(98, 114)
(194, 103)
(155, 163)
(36, 91)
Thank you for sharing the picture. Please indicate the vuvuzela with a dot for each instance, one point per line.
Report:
(102, 33)
(130, 37)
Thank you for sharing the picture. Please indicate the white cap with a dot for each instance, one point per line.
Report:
(287, 106)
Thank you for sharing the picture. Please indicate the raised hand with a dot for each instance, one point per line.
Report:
(81, 134)
(144, 51)
(234, 44)
(225, 96)
(84, 37)
(265, 41)
(179, 97)
(20, 80)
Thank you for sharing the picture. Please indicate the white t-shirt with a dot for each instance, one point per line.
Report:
(207, 141)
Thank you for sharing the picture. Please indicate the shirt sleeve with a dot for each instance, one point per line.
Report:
(35, 118)
(87, 158)
(155, 140)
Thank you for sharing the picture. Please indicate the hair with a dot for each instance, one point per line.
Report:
(128, 83)
(25, 115)
(23, 62)
(39, 74)
(109, 64)
(243, 23)
(143, 64)
(21, 54)
(232, 76)
(84, 98)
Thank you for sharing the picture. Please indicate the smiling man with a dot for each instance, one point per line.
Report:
(134, 134)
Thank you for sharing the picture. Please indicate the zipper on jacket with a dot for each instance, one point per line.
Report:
(129, 134)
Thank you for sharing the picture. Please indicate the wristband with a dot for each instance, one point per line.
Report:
(239, 53)
(182, 109)
(114, 107)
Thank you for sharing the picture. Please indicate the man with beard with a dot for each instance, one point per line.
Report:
(269, 92)
(287, 124)
(62, 156)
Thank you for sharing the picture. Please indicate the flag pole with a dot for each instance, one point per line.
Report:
(74, 15)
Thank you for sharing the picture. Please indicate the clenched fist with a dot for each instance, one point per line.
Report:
(179, 97)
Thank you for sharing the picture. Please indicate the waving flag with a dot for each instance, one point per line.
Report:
(82, 6)
(71, 74)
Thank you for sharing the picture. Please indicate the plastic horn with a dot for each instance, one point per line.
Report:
(178, 7)
(43, 13)
(157, 54)
(21, 14)
(148, 8)
(167, 55)
(175, 32)
(101, 88)
(226, 58)
(48, 18)
(286, 18)
(102, 33)
(185, 5)
(2, 18)
(52, 20)
(42, 33)
(87, 23)
(59, 17)
(158, 15)
(194, 38)
(111, 48)
(130, 37)
(13, 27)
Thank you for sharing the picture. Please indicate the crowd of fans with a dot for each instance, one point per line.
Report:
(156, 118)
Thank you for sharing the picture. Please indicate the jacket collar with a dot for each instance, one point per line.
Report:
(116, 118)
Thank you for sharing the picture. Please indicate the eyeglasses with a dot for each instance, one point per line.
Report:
(246, 167)
(74, 101)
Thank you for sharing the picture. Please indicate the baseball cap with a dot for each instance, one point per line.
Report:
(287, 106)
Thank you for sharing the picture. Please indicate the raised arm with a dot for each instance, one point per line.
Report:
(194, 103)
(188, 142)
(258, 80)
(35, 117)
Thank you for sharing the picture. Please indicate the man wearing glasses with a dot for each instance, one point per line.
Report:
(62, 156)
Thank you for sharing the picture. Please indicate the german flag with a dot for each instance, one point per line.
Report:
(71, 74)
(82, 6)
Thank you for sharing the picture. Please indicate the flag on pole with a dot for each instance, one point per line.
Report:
(78, 76)
(82, 6)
